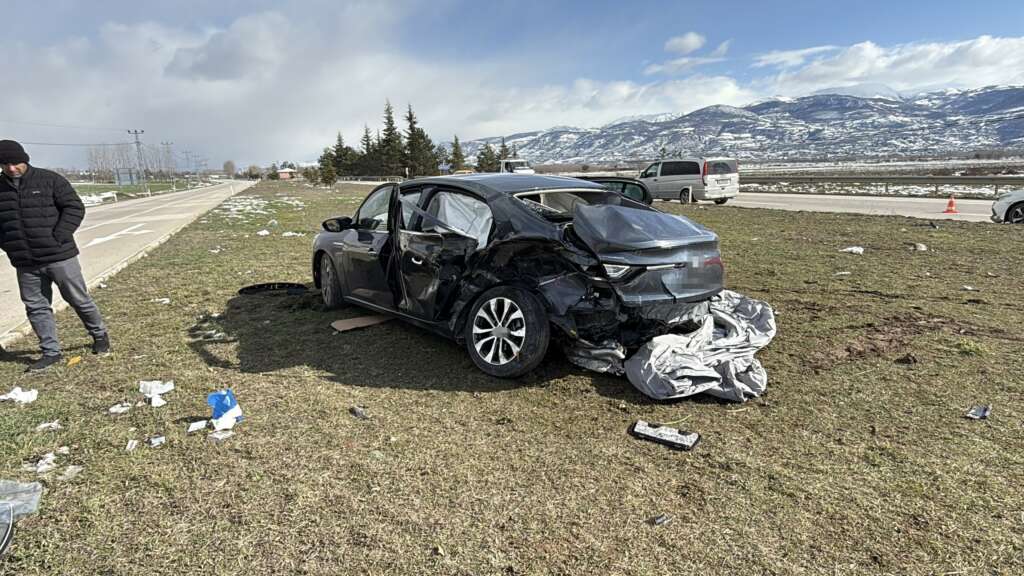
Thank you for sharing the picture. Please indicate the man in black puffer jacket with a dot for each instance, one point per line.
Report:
(39, 213)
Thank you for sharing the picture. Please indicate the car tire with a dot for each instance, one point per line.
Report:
(685, 197)
(721, 201)
(1015, 214)
(507, 332)
(330, 284)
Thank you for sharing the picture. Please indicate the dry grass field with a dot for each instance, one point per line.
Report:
(857, 461)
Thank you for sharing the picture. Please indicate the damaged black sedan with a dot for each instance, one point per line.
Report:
(504, 263)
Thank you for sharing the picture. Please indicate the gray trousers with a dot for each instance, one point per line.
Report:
(36, 286)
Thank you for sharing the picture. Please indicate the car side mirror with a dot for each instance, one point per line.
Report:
(337, 224)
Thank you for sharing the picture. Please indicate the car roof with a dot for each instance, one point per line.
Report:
(495, 184)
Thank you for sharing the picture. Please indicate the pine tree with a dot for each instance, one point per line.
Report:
(503, 150)
(515, 152)
(390, 145)
(458, 158)
(419, 149)
(442, 156)
(487, 160)
(326, 166)
(367, 163)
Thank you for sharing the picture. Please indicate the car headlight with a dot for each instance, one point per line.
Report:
(615, 271)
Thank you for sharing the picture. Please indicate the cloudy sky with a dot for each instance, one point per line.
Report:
(260, 81)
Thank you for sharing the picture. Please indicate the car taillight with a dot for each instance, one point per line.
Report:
(714, 261)
(704, 173)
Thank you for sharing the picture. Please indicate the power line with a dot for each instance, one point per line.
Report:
(75, 144)
(68, 126)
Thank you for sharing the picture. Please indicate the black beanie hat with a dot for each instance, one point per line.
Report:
(12, 153)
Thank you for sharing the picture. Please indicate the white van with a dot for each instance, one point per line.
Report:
(692, 179)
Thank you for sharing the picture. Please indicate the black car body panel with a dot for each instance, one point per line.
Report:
(424, 264)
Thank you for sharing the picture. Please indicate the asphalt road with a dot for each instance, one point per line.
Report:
(113, 235)
(930, 208)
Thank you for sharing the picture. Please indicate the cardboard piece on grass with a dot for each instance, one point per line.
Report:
(359, 322)
(196, 426)
(20, 396)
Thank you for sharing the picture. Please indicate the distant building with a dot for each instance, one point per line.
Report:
(287, 174)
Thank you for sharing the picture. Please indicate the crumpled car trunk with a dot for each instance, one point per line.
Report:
(671, 258)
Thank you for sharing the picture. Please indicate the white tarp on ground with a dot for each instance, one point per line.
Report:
(716, 359)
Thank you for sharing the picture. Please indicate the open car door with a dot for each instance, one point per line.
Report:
(433, 249)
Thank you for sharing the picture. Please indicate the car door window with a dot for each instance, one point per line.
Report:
(680, 169)
(467, 215)
(633, 192)
(651, 171)
(409, 201)
(374, 210)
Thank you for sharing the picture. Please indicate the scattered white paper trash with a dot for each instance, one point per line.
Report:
(225, 409)
(70, 472)
(132, 445)
(46, 463)
(156, 441)
(220, 435)
(263, 233)
(49, 426)
(20, 396)
(196, 426)
(164, 301)
(967, 288)
(293, 234)
(858, 250)
(120, 408)
(154, 390)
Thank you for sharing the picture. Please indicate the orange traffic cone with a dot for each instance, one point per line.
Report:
(951, 206)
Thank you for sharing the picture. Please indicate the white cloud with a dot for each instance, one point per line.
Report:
(789, 58)
(972, 63)
(722, 49)
(679, 65)
(685, 44)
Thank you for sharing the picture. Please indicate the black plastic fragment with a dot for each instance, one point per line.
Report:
(292, 288)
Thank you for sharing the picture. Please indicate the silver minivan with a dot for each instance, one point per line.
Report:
(692, 179)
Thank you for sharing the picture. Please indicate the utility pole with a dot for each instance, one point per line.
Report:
(142, 161)
(171, 164)
(187, 154)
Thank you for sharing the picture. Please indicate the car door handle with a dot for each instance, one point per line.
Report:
(417, 261)
(339, 244)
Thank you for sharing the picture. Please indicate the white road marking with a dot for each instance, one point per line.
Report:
(130, 231)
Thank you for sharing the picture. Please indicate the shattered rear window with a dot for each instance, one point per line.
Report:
(559, 205)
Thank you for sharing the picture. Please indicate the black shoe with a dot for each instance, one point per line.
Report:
(44, 363)
(101, 345)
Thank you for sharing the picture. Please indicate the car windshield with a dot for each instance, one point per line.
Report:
(558, 205)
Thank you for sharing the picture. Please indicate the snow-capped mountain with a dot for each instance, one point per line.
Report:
(819, 125)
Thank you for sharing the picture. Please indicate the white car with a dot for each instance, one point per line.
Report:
(1009, 207)
(692, 179)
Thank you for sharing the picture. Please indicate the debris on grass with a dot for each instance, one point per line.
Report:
(858, 250)
(359, 322)
(980, 412)
(23, 497)
(293, 234)
(907, 359)
(163, 301)
(263, 233)
(843, 274)
(154, 390)
(120, 408)
(220, 435)
(272, 223)
(46, 463)
(102, 286)
(70, 472)
(196, 426)
(225, 409)
(967, 288)
(671, 437)
(216, 250)
(20, 396)
(919, 247)
(359, 412)
(156, 441)
(49, 426)
(64, 450)
(74, 361)
(660, 520)
(132, 445)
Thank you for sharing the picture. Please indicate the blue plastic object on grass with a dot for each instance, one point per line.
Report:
(226, 411)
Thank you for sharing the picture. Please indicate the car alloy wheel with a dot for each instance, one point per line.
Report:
(499, 331)
(1015, 215)
(330, 288)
